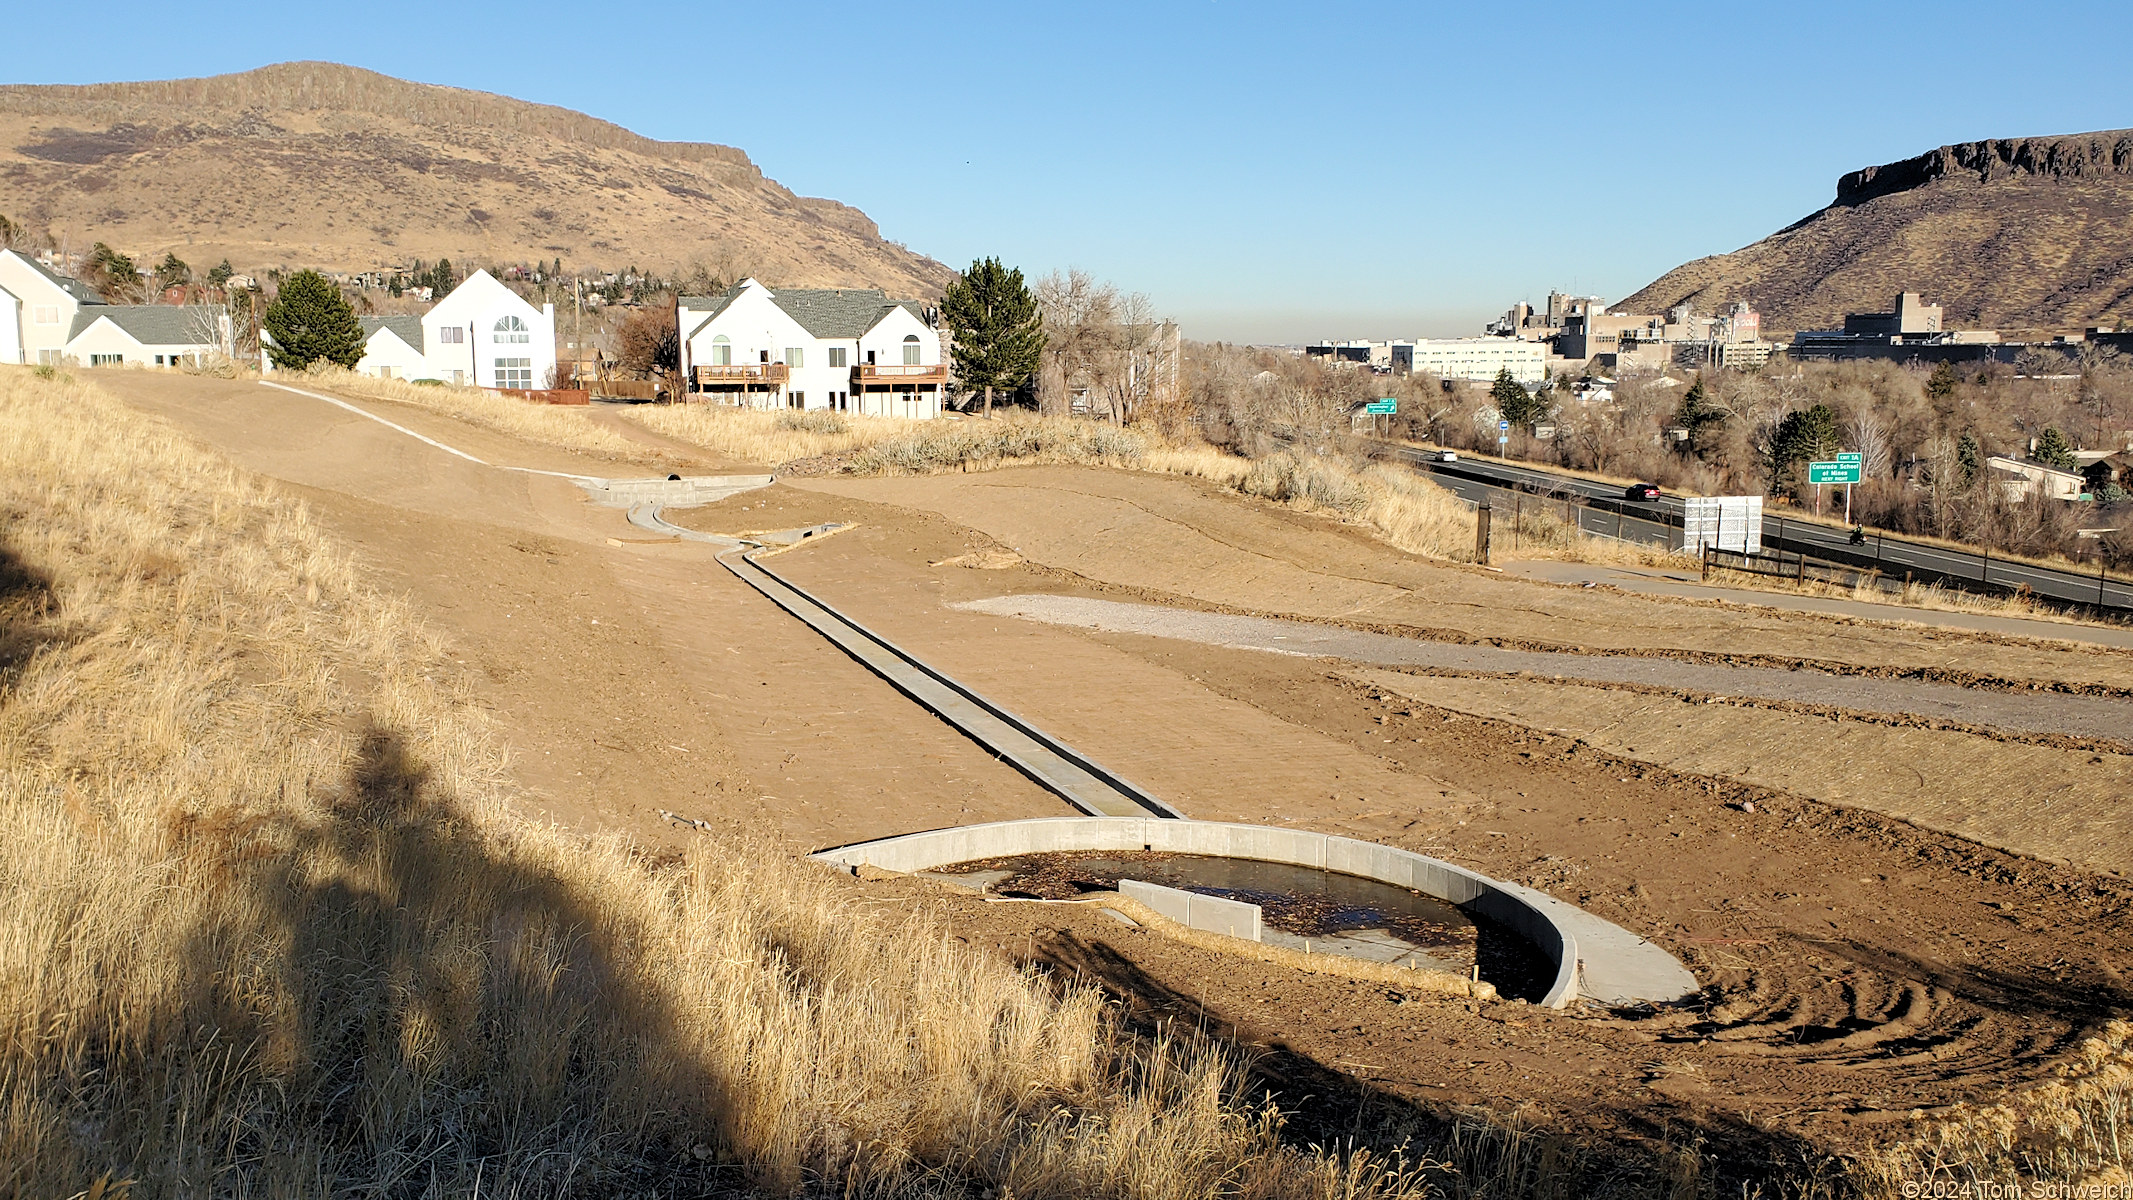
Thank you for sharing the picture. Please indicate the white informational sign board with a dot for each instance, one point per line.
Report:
(1724, 522)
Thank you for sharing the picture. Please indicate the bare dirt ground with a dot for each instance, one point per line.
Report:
(1858, 966)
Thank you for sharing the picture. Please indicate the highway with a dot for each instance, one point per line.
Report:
(1607, 513)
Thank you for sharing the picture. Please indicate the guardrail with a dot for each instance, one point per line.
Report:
(2067, 589)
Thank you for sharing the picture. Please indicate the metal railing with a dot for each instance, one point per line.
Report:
(766, 374)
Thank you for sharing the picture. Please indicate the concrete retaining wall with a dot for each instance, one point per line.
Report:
(1214, 914)
(1645, 974)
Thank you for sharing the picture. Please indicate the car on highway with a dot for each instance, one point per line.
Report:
(1641, 491)
(1445, 456)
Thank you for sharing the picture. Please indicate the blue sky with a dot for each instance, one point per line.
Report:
(1264, 172)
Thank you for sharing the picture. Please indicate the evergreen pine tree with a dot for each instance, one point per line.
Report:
(311, 320)
(1804, 435)
(1515, 404)
(1967, 456)
(999, 334)
(2053, 450)
(1698, 415)
(1943, 382)
(173, 272)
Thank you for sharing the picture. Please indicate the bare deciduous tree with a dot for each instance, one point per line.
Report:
(1869, 436)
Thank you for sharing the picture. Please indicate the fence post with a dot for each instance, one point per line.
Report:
(1800, 572)
(1984, 569)
(1518, 509)
(2101, 564)
(1707, 564)
(1481, 534)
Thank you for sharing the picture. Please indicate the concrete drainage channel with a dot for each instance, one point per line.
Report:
(1586, 956)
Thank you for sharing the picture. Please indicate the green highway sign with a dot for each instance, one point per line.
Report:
(1382, 408)
(1853, 457)
(1832, 472)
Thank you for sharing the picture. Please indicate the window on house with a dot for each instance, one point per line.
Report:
(106, 360)
(910, 349)
(795, 357)
(799, 399)
(722, 351)
(837, 357)
(46, 314)
(48, 358)
(513, 330)
(514, 372)
(452, 333)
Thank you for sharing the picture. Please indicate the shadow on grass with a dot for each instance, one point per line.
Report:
(25, 613)
(405, 1004)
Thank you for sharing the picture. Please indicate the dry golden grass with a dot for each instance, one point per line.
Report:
(2074, 1130)
(767, 436)
(1398, 506)
(565, 426)
(273, 932)
(1910, 595)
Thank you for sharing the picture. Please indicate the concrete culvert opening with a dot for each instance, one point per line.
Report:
(1587, 956)
(673, 479)
(1304, 909)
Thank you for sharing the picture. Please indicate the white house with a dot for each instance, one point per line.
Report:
(45, 305)
(148, 335)
(847, 349)
(482, 335)
(10, 328)
(2020, 479)
(392, 348)
(485, 335)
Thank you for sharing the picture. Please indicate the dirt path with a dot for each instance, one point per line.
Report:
(628, 678)
(2031, 712)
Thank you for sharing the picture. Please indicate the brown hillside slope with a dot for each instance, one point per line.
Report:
(316, 164)
(2025, 233)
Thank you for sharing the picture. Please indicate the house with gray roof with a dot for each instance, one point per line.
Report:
(148, 335)
(394, 348)
(37, 309)
(842, 349)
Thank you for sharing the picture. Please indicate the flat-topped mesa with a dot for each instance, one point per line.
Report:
(2078, 156)
(2027, 236)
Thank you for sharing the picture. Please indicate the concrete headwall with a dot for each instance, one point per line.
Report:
(1215, 914)
(1618, 966)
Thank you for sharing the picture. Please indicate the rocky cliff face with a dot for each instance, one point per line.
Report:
(2012, 234)
(316, 164)
(2084, 156)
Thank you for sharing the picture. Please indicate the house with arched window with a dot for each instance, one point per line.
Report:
(844, 349)
(485, 335)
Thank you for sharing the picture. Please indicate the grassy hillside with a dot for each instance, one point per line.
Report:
(317, 164)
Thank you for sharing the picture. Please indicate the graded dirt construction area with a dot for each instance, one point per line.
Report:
(1858, 966)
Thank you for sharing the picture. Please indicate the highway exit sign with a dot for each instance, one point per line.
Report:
(1833, 472)
(1853, 457)
(1382, 408)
